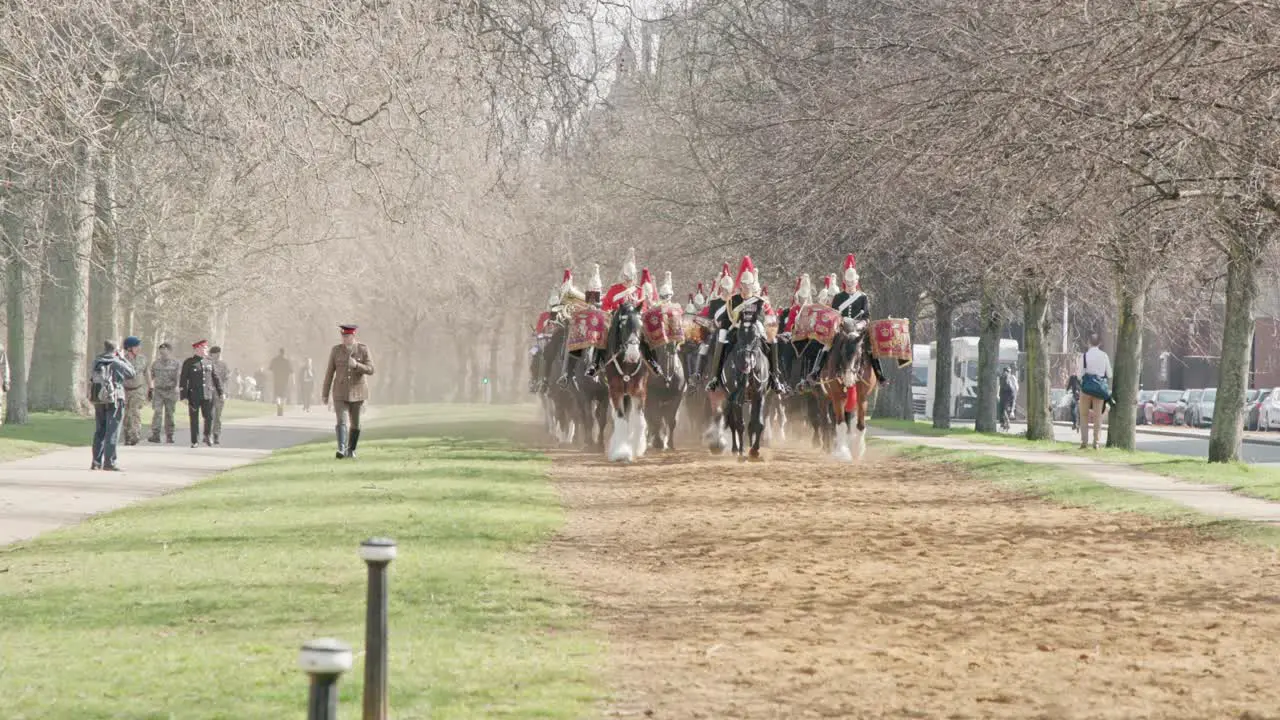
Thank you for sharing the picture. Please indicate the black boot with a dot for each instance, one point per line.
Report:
(875, 368)
(717, 355)
(351, 444)
(816, 371)
(341, 431)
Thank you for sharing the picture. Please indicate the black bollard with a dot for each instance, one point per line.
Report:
(324, 660)
(377, 554)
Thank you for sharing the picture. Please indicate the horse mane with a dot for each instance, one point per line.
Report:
(625, 309)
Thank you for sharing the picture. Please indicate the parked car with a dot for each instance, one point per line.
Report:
(1165, 407)
(1144, 399)
(1189, 400)
(1253, 408)
(1269, 410)
(1200, 409)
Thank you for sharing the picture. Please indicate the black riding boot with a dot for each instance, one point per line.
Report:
(649, 358)
(875, 367)
(717, 356)
(775, 371)
(351, 444)
(589, 359)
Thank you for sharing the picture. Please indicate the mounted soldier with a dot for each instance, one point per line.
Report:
(627, 287)
(543, 327)
(852, 303)
(574, 307)
(715, 315)
(746, 304)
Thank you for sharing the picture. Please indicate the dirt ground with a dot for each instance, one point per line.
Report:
(797, 588)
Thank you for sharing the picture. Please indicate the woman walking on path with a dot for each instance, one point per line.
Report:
(1095, 390)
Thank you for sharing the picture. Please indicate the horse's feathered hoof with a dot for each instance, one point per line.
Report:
(754, 456)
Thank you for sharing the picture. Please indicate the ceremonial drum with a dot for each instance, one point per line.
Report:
(816, 322)
(663, 324)
(588, 328)
(891, 338)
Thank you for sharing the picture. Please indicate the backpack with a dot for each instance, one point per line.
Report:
(102, 383)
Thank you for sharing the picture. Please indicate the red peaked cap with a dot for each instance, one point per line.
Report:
(199, 343)
(347, 329)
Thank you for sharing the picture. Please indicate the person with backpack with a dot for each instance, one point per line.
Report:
(1008, 396)
(106, 392)
(1095, 390)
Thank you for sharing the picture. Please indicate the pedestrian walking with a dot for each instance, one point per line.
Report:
(223, 374)
(164, 373)
(307, 384)
(1095, 390)
(260, 382)
(344, 380)
(1073, 388)
(281, 374)
(137, 390)
(1008, 396)
(106, 392)
(200, 387)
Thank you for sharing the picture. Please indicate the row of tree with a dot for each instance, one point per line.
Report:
(990, 156)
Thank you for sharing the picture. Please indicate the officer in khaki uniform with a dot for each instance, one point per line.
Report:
(224, 377)
(164, 392)
(344, 380)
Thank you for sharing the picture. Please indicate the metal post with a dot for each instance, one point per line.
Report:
(324, 660)
(377, 554)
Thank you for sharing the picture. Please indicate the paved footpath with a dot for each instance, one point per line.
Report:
(1208, 499)
(56, 489)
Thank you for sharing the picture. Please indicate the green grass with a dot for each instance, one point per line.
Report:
(52, 431)
(1252, 480)
(1067, 487)
(194, 605)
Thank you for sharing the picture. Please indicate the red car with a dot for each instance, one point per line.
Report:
(1163, 407)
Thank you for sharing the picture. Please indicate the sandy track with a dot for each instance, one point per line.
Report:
(797, 589)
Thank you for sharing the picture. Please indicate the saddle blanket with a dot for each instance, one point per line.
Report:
(816, 322)
(891, 339)
(588, 328)
(663, 324)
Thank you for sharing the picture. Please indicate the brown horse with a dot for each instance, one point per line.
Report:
(626, 373)
(848, 383)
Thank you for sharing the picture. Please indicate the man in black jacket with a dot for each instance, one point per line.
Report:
(199, 385)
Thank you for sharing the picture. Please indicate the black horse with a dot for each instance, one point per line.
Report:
(746, 380)
(626, 373)
(586, 395)
(558, 402)
(666, 393)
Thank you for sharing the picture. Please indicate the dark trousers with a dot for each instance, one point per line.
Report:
(196, 408)
(106, 432)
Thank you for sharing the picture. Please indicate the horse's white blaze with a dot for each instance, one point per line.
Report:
(620, 441)
(632, 354)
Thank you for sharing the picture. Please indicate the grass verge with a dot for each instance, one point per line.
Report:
(1252, 480)
(56, 430)
(1067, 487)
(194, 605)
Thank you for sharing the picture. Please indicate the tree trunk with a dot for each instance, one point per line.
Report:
(104, 295)
(989, 325)
(1237, 338)
(1036, 325)
(1127, 365)
(944, 316)
(491, 372)
(519, 364)
(13, 236)
(58, 369)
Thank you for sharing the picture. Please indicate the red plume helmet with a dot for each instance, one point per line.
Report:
(743, 278)
(850, 276)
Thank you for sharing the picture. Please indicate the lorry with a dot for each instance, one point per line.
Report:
(964, 374)
(921, 356)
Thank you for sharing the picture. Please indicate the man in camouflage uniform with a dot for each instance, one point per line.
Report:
(136, 391)
(224, 376)
(164, 393)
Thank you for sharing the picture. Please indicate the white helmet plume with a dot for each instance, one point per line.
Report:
(665, 290)
(629, 268)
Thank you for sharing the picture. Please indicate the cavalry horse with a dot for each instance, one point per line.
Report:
(559, 404)
(626, 375)
(746, 382)
(667, 386)
(585, 394)
(848, 383)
